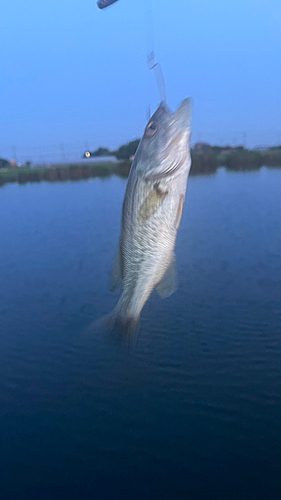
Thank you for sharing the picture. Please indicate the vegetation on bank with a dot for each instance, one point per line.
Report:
(205, 160)
(55, 173)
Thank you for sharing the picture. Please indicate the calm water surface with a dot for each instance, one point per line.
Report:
(193, 411)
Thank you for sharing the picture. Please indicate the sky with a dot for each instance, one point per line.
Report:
(74, 77)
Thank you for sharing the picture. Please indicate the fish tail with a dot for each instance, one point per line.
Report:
(125, 317)
(124, 322)
(127, 325)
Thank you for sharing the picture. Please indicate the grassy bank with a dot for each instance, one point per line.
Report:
(56, 173)
(205, 160)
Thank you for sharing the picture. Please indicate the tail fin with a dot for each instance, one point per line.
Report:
(125, 324)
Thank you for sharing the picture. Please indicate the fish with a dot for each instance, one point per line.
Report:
(151, 215)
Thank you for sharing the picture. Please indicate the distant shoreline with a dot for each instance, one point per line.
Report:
(204, 161)
(63, 172)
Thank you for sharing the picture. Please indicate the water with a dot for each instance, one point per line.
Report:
(193, 410)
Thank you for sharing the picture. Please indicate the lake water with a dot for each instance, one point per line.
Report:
(193, 409)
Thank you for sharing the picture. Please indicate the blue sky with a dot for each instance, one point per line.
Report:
(72, 74)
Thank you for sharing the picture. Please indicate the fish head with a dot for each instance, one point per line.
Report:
(164, 150)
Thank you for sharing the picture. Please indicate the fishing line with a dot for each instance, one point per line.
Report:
(153, 65)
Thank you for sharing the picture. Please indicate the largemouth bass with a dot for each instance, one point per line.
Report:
(151, 216)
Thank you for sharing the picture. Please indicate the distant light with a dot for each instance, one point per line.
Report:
(87, 154)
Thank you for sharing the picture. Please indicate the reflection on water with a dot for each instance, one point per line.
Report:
(194, 410)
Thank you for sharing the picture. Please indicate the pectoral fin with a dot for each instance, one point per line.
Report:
(115, 276)
(152, 202)
(169, 283)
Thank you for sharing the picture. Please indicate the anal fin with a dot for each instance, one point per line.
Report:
(169, 283)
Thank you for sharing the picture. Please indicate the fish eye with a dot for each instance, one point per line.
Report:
(151, 129)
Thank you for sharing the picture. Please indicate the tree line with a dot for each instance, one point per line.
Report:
(207, 158)
(124, 152)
